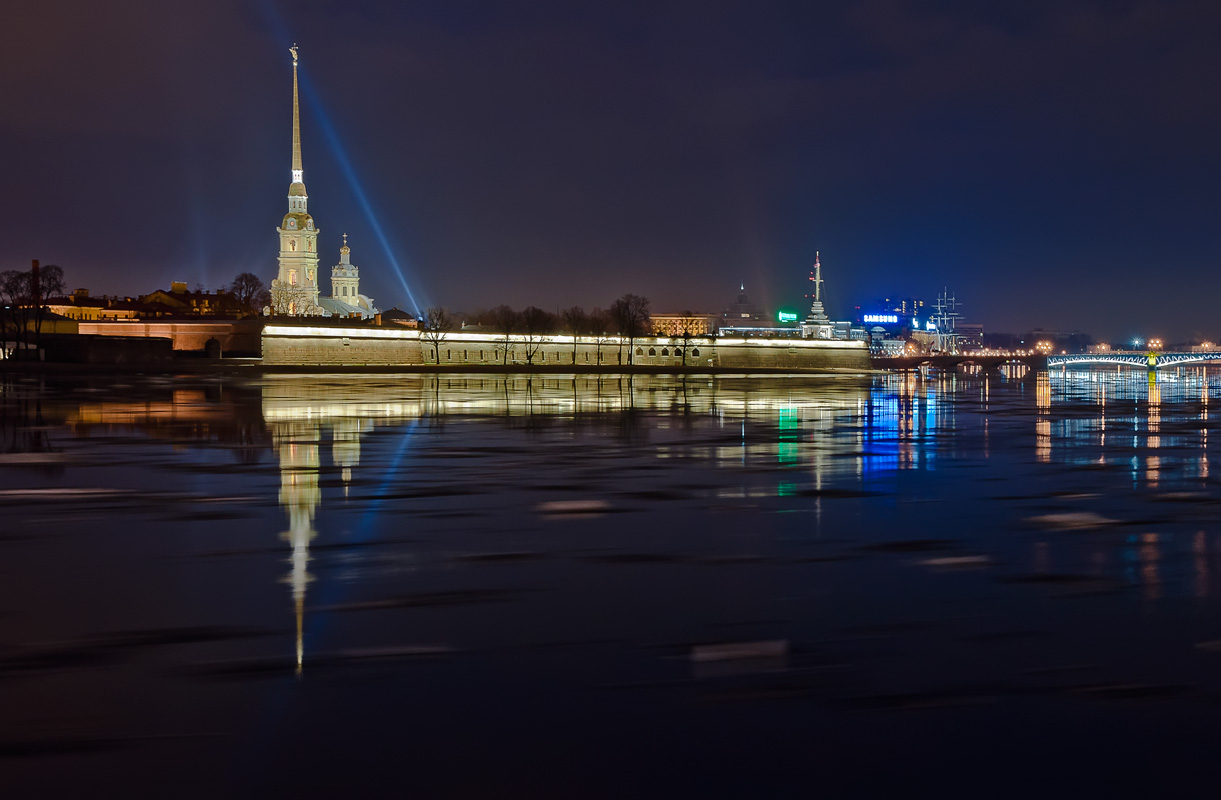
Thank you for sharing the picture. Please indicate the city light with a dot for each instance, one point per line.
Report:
(1155, 344)
(1044, 346)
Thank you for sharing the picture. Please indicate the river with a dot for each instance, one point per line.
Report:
(601, 586)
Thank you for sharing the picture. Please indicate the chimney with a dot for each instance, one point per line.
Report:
(377, 320)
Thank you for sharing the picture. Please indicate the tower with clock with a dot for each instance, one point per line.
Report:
(295, 289)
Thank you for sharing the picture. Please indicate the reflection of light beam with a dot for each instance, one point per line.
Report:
(337, 149)
(328, 596)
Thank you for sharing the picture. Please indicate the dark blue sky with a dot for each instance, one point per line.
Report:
(1053, 163)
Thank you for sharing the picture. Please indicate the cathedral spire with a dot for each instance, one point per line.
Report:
(297, 171)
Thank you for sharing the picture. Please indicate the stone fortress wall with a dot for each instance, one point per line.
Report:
(287, 345)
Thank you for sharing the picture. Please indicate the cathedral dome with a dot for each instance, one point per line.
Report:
(296, 190)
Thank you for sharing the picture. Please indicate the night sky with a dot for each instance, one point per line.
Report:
(1055, 164)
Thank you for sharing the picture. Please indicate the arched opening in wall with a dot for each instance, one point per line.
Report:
(480, 355)
(212, 348)
(449, 355)
(678, 352)
(587, 358)
(665, 351)
(639, 351)
(464, 355)
(652, 351)
(695, 352)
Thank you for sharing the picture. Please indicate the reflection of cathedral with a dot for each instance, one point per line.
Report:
(299, 496)
(295, 291)
(296, 421)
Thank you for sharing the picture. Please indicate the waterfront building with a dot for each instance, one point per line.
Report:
(81, 307)
(743, 311)
(970, 335)
(179, 301)
(686, 322)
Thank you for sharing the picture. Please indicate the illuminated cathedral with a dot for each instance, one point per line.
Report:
(296, 291)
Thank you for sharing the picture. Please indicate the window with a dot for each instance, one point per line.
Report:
(639, 351)
(695, 351)
(652, 351)
(464, 355)
(480, 355)
(665, 351)
(449, 355)
(587, 358)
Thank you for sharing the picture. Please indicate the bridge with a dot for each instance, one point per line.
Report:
(1134, 358)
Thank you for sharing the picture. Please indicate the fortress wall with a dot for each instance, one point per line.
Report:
(233, 335)
(285, 345)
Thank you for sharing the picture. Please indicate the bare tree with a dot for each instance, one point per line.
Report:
(535, 323)
(576, 322)
(45, 282)
(505, 321)
(436, 322)
(630, 314)
(684, 337)
(291, 300)
(599, 325)
(13, 310)
(249, 293)
(23, 298)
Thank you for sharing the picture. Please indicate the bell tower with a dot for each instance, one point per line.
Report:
(295, 289)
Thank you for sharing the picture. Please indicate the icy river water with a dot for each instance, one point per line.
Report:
(464, 585)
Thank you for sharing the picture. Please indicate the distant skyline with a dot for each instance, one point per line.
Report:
(1051, 163)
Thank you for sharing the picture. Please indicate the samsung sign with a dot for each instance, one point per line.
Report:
(883, 319)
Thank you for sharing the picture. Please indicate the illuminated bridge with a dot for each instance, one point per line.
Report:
(1134, 359)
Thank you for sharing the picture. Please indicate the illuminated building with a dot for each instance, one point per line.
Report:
(346, 299)
(295, 289)
(685, 323)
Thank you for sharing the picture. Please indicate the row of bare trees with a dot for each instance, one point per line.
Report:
(530, 328)
(23, 304)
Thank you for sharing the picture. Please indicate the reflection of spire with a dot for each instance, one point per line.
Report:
(299, 495)
(299, 578)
